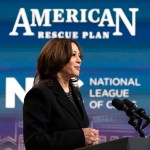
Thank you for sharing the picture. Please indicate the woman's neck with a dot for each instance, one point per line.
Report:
(64, 83)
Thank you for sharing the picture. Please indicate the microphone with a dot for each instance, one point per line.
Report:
(140, 111)
(120, 105)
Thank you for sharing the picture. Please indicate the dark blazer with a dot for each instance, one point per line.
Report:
(51, 121)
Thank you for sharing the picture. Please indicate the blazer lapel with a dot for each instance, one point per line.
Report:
(78, 100)
(66, 103)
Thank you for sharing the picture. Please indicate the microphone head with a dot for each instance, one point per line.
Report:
(129, 103)
(121, 105)
(118, 104)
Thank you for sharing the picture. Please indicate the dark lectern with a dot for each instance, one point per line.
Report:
(128, 143)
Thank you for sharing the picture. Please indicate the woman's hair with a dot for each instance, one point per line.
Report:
(54, 56)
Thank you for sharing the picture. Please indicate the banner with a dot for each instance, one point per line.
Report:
(114, 37)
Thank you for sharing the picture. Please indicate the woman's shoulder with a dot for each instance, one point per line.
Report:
(41, 85)
(39, 88)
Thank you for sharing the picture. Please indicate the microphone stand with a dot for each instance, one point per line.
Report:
(146, 124)
(137, 125)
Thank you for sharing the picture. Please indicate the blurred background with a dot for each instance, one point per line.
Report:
(113, 65)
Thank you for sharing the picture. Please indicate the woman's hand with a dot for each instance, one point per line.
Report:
(91, 136)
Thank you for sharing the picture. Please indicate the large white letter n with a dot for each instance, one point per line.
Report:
(13, 88)
(22, 15)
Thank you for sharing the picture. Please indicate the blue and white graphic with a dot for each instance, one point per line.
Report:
(114, 37)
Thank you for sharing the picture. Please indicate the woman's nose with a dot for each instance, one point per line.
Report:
(79, 59)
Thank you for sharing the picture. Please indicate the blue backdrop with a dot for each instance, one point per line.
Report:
(108, 59)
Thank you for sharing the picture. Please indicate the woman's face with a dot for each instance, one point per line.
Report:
(72, 69)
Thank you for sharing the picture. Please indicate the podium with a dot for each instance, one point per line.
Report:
(129, 143)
